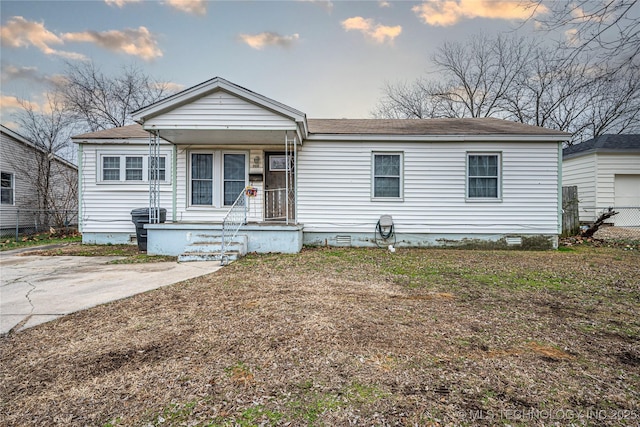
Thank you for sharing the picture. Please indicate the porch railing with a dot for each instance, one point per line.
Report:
(235, 218)
(276, 207)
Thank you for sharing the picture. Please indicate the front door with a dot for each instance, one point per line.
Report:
(277, 203)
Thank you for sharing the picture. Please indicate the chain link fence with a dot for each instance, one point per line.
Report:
(627, 216)
(17, 223)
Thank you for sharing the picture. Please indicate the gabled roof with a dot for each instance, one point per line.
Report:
(217, 83)
(23, 140)
(604, 144)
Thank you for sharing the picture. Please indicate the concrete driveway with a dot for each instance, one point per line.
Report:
(38, 289)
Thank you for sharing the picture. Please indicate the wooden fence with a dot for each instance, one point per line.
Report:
(570, 214)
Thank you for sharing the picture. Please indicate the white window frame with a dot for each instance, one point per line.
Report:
(498, 197)
(217, 176)
(12, 177)
(400, 196)
(122, 178)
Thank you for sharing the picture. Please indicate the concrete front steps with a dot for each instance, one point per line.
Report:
(209, 248)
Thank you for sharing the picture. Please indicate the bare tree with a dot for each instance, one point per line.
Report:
(48, 128)
(480, 73)
(520, 80)
(475, 79)
(609, 29)
(102, 101)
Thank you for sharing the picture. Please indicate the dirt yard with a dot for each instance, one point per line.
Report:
(348, 337)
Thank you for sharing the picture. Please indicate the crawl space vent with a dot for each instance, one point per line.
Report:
(343, 240)
(513, 241)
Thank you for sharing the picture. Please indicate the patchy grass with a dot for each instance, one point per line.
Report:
(348, 337)
(129, 253)
(39, 239)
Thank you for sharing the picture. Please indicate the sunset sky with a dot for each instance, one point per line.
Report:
(329, 59)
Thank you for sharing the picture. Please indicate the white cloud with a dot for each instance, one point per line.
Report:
(11, 73)
(259, 41)
(8, 102)
(120, 3)
(376, 32)
(136, 42)
(325, 4)
(18, 32)
(383, 3)
(449, 12)
(197, 7)
(170, 86)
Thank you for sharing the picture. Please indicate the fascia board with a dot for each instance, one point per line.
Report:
(436, 138)
(119, 141)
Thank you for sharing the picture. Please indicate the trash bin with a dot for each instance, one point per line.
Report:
(140, 217)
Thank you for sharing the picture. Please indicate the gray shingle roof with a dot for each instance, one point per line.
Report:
(604, 144)
(477, 126)
(123, 132)
(431, 127)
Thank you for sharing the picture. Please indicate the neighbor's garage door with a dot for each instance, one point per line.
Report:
(627, 188)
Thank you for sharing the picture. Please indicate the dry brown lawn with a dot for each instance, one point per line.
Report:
(348, 337)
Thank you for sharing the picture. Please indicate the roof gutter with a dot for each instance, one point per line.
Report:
(437, 138)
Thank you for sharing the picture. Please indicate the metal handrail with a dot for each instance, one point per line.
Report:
(233, 220)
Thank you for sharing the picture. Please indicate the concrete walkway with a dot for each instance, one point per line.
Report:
(38, 289)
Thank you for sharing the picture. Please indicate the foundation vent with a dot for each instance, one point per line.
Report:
(513, 241)
(343, 240)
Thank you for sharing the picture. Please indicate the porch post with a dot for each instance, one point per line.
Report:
(153, 166)
(286, 176)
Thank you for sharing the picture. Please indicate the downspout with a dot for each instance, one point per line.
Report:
(80, 189)
(560, 188)
(174, 183)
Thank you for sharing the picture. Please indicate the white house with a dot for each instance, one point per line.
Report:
(606, 171)
(316, 181)
(22, 170)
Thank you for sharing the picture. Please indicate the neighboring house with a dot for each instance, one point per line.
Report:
(21, 189)
(317, 182)
(606, 171)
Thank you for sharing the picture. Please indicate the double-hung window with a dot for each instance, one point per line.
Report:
(6, 188)
(132, 168)
(111, 168)
(217, 178)
(133, 171)
(483, 176)
(387, 175)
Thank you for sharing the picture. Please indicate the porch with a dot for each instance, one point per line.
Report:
(204, 240)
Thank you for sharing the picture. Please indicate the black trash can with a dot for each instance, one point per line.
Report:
(140, 217)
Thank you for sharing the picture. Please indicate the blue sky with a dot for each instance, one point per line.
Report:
(327, 59)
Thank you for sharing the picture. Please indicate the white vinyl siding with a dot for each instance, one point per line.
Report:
(594, 175)
(107, 205)
(608, 165)
(338, 175)
(387, 176)
(483, 176)
(220, 110)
